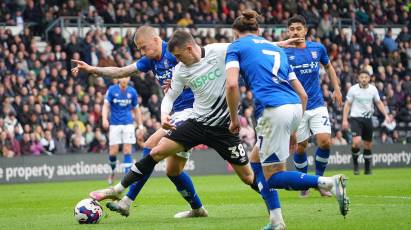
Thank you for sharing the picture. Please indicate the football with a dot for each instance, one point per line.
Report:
(88, 211)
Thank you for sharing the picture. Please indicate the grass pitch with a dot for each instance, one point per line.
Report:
(380, 201)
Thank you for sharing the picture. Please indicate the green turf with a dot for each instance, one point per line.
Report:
(380, 201)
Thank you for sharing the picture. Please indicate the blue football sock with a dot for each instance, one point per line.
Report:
(127, 162)
(146, 151)
(292, 180)
(185, 187)
(321, 161)
(270, 196)
(300, 162)
(135, 188)
(112, 162)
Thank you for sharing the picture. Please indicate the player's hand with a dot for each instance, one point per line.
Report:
(387, 119)
(337, 97)
(166, 122)
(293, 143)
(81, 66)
(166, 85)
(105, 124)
(234, 126)
(289, 43)
(345, 125)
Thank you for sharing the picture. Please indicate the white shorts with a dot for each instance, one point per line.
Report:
(122, 134)
(314, 121)
(178, 118)
(274, 128)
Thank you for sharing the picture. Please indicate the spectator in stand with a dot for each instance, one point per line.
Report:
(36, 147)
(389, 43)
(8, 147)
(247, 134)
(33, 76)
(154, 107)
(74, 123)
(338, 139)
(60, 143)
(48, 142)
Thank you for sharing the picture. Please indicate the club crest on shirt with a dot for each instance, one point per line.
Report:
(128, 95)
(314, 54)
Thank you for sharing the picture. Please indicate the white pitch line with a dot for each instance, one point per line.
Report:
(385, 197)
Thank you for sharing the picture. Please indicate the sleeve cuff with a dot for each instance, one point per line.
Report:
(232, 64)
(292, 76)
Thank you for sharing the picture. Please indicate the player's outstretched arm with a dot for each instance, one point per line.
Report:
(233, 97)
(381, 107)
(176, 88)
(337, 96)
(346, 111)
(104, 115)
(112, 72)
(289, 43)
(299, 89)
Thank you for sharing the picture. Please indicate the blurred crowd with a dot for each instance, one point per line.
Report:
(45, 109)
(189, 12)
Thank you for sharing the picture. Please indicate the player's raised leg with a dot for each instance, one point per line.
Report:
(175, 167)
(301, 162)
(139, 170)
(123, 206)
(321, 128)
(300, 156)
(273, 156)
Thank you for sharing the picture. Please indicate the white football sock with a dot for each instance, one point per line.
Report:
(326, 183)
(276, 217)
(119, 188)
(127, 201)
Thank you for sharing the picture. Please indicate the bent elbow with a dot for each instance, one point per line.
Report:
(231, 86)
(304, 96)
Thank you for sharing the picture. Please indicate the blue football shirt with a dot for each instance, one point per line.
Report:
(265, 69)
(163, 70)
(306, 64)
(121, 103)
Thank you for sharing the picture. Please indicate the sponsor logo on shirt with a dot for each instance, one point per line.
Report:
(166, 64)
(122, 102)
(166, 75)
(200, 81)
(307, 68)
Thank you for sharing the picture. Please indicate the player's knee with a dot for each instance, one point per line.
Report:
(149, 144)
(324, 143)
(367, 145)
(356, 143)
(248, 179)
(173, 172)
(158, 154)
(302, 147)
(174, 169)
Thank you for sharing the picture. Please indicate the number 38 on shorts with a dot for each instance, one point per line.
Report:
(237, 151)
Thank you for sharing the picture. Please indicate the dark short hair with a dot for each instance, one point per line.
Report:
(179, 39)
(247, 21)
(364, 72)
(297, 19)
